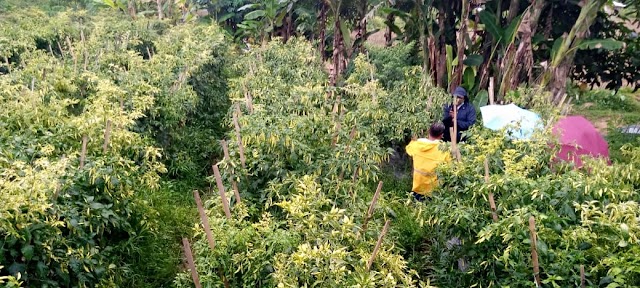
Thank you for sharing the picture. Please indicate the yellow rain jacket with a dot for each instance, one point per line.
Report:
(426, 157)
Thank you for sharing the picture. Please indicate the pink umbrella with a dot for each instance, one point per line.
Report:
(578, 137)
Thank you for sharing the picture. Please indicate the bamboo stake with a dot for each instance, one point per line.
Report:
(83, 152)
(248, 99)
(454, 146)
(50, 49)
(6, 60)
(378, 244)
(107, 133)
(239, 137)
(192, 265)
(33, 83)
(204, 219)
(372, 206)
(234, 184)
(534, 251)
(223, 197)
(491, 91)
(73, 54)
(582, 277)
(492, 203)
(60, 48)
(454, 134)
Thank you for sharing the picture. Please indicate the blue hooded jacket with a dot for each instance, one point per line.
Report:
(466, 114)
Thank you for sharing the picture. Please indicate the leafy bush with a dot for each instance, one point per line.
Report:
(73, 75)
(584, 217)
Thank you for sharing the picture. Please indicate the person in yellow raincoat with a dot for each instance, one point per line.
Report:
(426, 157)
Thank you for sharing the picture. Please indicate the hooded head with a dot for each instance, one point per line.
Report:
(460, 93)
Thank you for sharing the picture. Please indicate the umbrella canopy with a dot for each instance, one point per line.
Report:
(524, 122)
(579, 137)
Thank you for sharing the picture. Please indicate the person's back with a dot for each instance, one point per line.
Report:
(427, 156)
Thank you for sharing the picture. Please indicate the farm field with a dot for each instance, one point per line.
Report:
(262, 144)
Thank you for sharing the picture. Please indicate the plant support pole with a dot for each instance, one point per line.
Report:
(107, 134)
(534, 250)
(378, 244)
(234, 184)
(223, 197)
(239, 137)
(204, 219)
(192, 265)
(492, 202)
(83, 152)
(372, 206)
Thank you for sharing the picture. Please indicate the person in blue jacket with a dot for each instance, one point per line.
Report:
(466, 114)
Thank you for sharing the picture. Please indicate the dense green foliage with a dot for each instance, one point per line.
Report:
(165, 91)
(301, 219)
(73, 75)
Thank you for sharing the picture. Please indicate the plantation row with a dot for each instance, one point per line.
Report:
(99, 108)
(88, 102)
(312, 156)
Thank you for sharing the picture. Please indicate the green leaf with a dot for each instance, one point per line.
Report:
(225, 17)
(27, 252)
(489, 20)
(346, 35)
(473, 60)
(254, 14)
(481, 99)
(245, 7)
(606, 44)
(509, 34)
(556, 46)
(469, 78)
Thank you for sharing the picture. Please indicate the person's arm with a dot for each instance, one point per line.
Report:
(468, 120)
(411, 150)
(446, 110)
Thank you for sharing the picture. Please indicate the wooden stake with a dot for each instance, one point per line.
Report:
(51, 49)
(534, 250)
(234, 184)
(249, 100)
(225, 149)
(223, 197)
(60, 48)
(372, 206)
(83, 152)
(107, 133)
(239, 137)
(192, 265)
(454, 146)
(236, 192)
(33, 83)
(492, 202)
(491, 91)
(204, 219)
(6, 60)
(582, 277)
(378, 244)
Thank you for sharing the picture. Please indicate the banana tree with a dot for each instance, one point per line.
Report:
(264, 18)
(564, 50)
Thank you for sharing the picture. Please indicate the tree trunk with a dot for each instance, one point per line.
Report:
(514, 9)
(462, 35)
(442, 46)
(323, 29)
(523, 59)
(388, 41)
(131, 6)
(159, 2)
(555, 78)
(337, 52)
